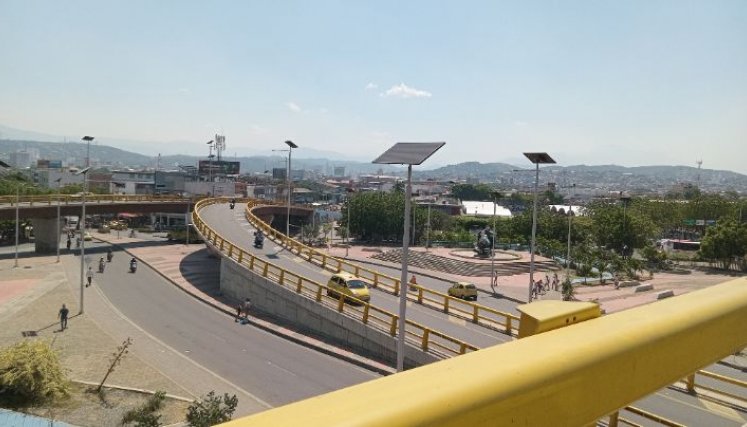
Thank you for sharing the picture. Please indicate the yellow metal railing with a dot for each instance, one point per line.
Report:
(572, 376)
(421, 336)
(476, 313)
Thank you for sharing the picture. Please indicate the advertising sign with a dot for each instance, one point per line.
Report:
(219, 167)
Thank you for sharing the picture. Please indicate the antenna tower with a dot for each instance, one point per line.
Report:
(220, 145)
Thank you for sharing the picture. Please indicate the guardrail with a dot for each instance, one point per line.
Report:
(476, 313)
(50, 199)
(425, 338)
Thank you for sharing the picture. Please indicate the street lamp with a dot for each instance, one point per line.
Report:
(291, 146)
(570, 218)
(406, 153)
(82, 224)
(537, 159)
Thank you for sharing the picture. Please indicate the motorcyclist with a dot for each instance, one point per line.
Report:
(109, 255)
(133, 265)
(233, 202)
(259, 238)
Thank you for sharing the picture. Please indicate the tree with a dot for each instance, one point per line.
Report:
(211, 410)
(725, 243)
(475, 192)
(30, 372)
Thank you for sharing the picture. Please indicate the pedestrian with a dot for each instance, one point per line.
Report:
(239, 306)
(555, 281)
(494, 283)
(63, 317)
(413, 283)
(617, 282)
(68, 243)
(245, 306)
(89, 275)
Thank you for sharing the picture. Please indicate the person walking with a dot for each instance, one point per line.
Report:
(63, 317)
(413, 283)
(89, 276)
(68, 243)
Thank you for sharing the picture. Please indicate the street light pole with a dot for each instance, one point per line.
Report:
(82, 224)
(409, 153)
(493, 280)
(291, 146)
(18, 200)
(570, 219)
(535, 158)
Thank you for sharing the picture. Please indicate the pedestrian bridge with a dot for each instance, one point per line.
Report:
(572, 376)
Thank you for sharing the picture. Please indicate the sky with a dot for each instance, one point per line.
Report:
(590, 82)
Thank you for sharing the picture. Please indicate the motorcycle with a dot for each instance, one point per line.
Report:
(231, 205)
(133, 267)
(259, 242)
(109, 256)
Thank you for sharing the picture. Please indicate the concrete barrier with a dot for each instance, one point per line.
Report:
(629, 283)
(644, 288)
(665, 294)
(277, 301)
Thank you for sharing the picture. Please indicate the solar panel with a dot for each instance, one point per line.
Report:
(408, 153)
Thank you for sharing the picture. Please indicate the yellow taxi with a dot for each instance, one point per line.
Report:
(463, 290)
(349, 285)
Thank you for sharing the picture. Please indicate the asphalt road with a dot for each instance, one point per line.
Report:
(232, 223)
(273, 369)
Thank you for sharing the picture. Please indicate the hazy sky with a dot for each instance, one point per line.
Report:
(596, 82)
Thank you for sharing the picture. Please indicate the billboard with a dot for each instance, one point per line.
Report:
(218, 167)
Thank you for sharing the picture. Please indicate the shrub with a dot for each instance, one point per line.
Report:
(30, 372)
(211, 410)
(145, 415)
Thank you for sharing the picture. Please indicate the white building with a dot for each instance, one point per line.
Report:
(485, 209)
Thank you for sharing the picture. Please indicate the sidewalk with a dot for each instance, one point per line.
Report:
(516, 287)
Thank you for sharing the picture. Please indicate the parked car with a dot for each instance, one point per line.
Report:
(348, 285)
(463, 290)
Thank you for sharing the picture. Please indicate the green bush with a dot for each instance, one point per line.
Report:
(30, 372)
(211, 410)
(145, 415)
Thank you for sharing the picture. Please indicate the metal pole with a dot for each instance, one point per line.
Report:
(568, 254)
(534, 233)
(428, 230)
(347, 234)
(58, 227)
(186, 221)
(492, 253)
(83, 240)
(18, 196)
(288, 218)
(403, 277)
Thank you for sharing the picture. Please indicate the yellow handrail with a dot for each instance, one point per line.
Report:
(594, 368)
(421, 336)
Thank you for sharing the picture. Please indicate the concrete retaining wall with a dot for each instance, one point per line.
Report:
(238, 282)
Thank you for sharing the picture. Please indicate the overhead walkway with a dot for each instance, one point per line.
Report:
(573, 376)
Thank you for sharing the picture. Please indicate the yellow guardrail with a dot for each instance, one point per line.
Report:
(421, 336)
(572, 376)
(690, 384)
(476, 313)
(50, 199)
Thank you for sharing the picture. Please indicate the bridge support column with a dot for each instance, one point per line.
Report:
(45, 235)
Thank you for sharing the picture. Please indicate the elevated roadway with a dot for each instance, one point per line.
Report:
(233, 224)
